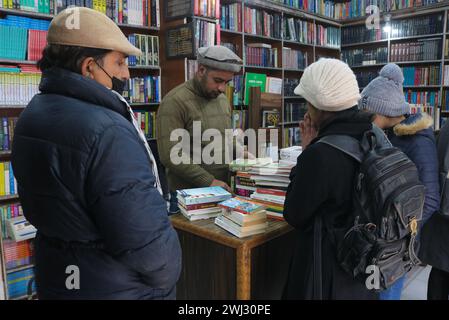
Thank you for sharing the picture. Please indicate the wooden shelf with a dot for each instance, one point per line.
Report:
(369, 65)
(363, 43)
(231, 31)
(25, 297)
(208, 19)
(29, 14)
(293, 70)
(249, 35)
(134, 104)
(418, 37)
(138, 27)
(263, 68)
(145, 67)
(20, 268)
(10, 197)
(4, 154)
(298, 43)
(423, 87)
(290, 123)
(293, 97)
(10, 106)
(8, 61)
(327, 47)
(417, 62)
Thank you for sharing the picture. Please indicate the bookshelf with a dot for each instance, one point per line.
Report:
(413, 38)
(147, 71)
(237, 29)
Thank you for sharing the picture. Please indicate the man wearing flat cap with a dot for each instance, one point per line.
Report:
(199, 100)
(87, 179)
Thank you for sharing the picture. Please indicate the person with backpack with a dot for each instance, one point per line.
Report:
(411, 133)
(322, 184)
(434, 250)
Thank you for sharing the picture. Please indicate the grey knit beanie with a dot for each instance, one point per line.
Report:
(384, 94)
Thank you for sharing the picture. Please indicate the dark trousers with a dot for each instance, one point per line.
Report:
(438, 286)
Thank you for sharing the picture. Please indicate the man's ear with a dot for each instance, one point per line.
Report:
(86, 67)
(202, 70)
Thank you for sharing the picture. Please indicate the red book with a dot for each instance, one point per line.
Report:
(218, 36)
(273, 192)
(199, 206)
(217, 9)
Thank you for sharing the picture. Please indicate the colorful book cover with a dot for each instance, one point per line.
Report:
(254, 80)
(203, 195)
(241, 205)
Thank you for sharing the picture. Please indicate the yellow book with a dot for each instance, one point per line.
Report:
(2, 179)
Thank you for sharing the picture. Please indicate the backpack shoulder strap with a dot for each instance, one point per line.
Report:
(346, 144)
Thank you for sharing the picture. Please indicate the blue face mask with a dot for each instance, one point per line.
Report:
(117, 84)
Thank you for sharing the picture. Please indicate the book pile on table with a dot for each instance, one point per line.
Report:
(201, 203)
(242, 218)
(265, 185)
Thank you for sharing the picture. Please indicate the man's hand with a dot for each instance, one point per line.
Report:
(308, 131)
(219, 183)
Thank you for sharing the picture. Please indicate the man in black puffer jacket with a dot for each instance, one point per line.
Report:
(86, 177)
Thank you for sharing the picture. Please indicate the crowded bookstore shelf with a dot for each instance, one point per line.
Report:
(23, 27)
(277, 40)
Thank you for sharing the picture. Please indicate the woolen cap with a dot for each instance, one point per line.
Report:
(84, 27)
(329, 85)
(219, 57)
(384, 95)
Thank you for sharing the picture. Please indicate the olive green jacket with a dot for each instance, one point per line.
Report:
(179, 109)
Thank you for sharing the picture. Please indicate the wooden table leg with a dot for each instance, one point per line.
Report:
(243, 273)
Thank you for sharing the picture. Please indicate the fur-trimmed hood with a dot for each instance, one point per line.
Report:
(413, 124)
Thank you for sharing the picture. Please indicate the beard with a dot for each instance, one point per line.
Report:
(209, 94)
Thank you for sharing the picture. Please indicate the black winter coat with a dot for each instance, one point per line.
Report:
(322, 184)
(86, 184)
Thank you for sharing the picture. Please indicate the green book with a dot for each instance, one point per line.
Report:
(254, 80)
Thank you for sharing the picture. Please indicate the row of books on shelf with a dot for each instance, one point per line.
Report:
(149, 45)
(18, 283)
(261, 55)
(8, 125)
(231, 17)
(234, 90)
(7, 212)
(323, 7)
(8, 183)
(446, 75)
(260, 22)
(132, 12)
(143, 90)
(203, 8)
(17, 254)
(357, 8)
(294, 59)
(365, 56)
(239, 119)
(328, 36)
(365, 77)
(22, 38)
(42, 6)
(418, 108)
(421, 76)
(417, 26)
(17, 86)
(299, 30)
(147, 122)
(445, 100)
(205, 33)
(291, 137)
(264, 82)
(355, 34)
(293, 112)
(422, 98)
(289, 86)
(423, 49)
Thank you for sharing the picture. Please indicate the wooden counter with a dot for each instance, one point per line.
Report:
(218, 265)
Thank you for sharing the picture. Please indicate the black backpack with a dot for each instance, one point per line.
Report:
(388, 203)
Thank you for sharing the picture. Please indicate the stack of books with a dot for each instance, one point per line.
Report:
(242, 218)
(201, 203)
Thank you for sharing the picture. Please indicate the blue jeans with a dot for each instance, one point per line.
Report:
(394, 292)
